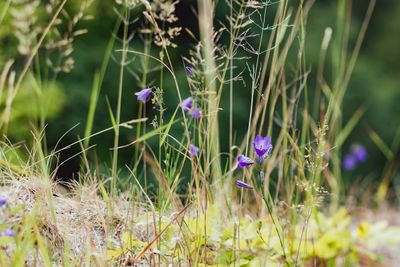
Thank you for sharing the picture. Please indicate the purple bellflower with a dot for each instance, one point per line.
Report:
(189, 70)
(360, 153)
(193, 150)
(243, 184)
(9, 233)
(186, 104)
(143, 95)
(3, 201)
(262, 145)
(349, 162)
(195, 113)
(244, 161)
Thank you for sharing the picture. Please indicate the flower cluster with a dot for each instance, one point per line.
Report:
(145, 94)
(358, 154)
(263, 147)
(186, 105)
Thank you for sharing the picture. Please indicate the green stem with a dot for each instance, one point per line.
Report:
(270, 211)
(119, 104)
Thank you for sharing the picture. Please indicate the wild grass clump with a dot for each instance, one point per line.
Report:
(200, 188)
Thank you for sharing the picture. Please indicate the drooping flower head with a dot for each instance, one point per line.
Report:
(349, 162)
(360, 153)
(9, 233)
(195, 113)
(243, 184)
(193, 150)
(186, 104)
(3, 201)
(189, 70)
(244, 161)
(262, 145)
(143, 95)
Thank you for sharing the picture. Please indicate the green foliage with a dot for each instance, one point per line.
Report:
(33, 102)
(204, 239)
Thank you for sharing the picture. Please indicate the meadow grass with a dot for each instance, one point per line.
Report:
(185, 201)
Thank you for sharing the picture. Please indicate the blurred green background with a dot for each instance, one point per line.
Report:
(374, 85)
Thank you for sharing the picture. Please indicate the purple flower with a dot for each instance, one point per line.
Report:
(193, 150)
(349, 162)
(360, 153)
(186, 104)
(143, 95)
(243, 184)
(244, 161)
(189, 70)
(262, 146)
(195, 113)
(3, 201)
(9, 233)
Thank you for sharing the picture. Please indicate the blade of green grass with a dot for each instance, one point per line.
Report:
(342, 136)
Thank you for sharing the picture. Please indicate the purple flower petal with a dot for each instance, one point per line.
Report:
(3, 201)
(9, 233)
(262, 146)
(349, 163)
(195, 113)
(360, 153)
(186, 104)
(143, 95)
(189, 70)
(244, 161)
(193, 150)
(242, 184)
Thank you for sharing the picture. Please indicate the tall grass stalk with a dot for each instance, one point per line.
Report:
(206, 14)
(97, 84)
(114, 175)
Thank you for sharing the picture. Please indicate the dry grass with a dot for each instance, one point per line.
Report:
(77, 220)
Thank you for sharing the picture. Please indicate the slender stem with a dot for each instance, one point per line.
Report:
(119, 103)
(231, 99)
(270, 211)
